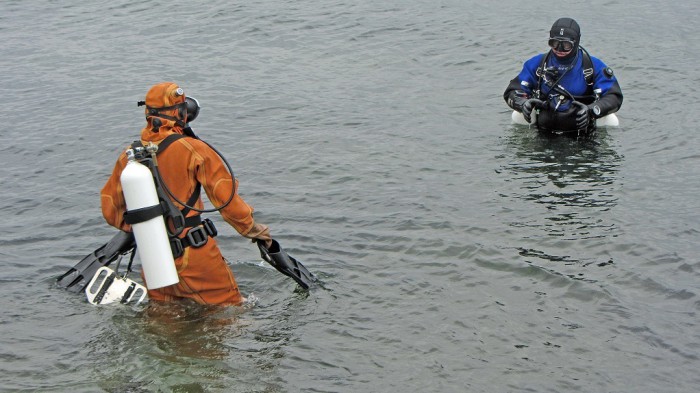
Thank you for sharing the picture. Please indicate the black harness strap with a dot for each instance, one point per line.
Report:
(168, 141)
(200, 230)
(192, 200)
(193, 221)
(588, 71)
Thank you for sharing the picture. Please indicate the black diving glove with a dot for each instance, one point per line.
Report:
(516, 99)
(583, 116)
(529, 105)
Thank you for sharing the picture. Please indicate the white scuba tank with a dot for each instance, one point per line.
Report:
(151, 236)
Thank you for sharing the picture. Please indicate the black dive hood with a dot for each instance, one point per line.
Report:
(568, 29)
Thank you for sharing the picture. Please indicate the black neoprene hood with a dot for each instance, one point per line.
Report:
(566, 28)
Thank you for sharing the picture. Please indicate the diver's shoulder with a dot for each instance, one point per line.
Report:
(535, 60)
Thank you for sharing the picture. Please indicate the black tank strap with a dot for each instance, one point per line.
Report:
(143, 214)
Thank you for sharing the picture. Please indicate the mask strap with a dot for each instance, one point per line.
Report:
(156, 112)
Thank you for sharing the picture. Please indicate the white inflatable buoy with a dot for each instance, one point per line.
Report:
(610, 120)
(151, 236)
(518, 118)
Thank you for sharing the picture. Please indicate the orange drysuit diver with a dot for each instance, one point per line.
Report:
(204, 275)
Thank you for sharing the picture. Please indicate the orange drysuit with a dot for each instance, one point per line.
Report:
(204, 274)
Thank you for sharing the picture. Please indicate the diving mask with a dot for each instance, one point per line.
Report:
(560, 45)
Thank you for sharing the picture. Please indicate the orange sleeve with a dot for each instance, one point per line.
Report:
(112, 198)
(217, 183)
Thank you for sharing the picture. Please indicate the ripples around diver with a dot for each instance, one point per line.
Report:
(565, 182)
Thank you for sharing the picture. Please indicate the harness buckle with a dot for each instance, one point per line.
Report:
(209, 227)
(176, 247)
(174, 220)
(197, 237)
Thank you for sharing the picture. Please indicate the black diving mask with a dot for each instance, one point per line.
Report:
(560, 45)
(190, 108)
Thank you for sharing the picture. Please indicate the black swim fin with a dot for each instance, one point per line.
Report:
(285, 264)
(78, 277)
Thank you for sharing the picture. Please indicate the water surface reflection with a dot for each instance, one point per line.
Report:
(558, 199)
(182, 346)
(564, 186)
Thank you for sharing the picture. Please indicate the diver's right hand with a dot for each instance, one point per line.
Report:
(516, 99)
(529, 105)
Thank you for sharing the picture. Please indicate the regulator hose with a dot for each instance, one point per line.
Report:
(188, 131)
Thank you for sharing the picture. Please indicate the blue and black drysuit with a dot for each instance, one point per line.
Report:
(585, 79)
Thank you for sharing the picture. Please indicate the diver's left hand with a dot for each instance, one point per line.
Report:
(259, 232)
(583, 116)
